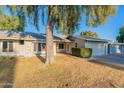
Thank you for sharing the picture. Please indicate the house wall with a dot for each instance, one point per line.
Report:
(28, 48)
(98, 48)
(80, 43)
(24, 50)
(18, 50)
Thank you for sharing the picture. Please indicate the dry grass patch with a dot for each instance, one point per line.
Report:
(67, 71)
(7, 67)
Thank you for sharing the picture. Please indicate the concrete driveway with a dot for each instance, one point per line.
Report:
(112, 59)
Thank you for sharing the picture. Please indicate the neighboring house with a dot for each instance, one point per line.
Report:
(32, 44)
(116, 48)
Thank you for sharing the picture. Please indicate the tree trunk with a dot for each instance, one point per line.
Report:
(49, 44)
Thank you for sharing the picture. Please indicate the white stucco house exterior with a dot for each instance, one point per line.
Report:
(28, 44)
(98, 46)
(31, 44)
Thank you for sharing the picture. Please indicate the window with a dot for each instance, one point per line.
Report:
(21, 42)
(76, 45)
(43, 46)
(5, 46)
(10, 46)
(39, 46)
(61, 46)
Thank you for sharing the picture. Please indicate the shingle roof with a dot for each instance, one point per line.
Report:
(24, 36)
(87, 38)
(19, 35)
(28, 36)
(40, 36)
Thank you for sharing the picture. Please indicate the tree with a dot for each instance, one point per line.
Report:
(63, 18)
(89, 33)
(120, 37)
(96, 15)
(9, 22)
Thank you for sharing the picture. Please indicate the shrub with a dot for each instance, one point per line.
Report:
(76, 52)
(82, 52)
(86, 52)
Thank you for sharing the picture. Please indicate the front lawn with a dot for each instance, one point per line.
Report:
(67, 71)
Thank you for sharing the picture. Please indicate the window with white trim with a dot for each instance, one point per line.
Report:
(7, 46)
(21, 42)
(10, 46)
(39, 46)
(61, 46)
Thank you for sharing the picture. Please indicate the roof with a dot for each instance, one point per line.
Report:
(19, 35)
(40, 36)
(87, 38)
(27, 36)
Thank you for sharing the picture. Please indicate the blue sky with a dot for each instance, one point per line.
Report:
(109, 30)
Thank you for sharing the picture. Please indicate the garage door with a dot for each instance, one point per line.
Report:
(97, 48)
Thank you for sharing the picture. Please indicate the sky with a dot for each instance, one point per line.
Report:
(109, 30)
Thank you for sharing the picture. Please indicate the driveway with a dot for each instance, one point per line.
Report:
(113, 59)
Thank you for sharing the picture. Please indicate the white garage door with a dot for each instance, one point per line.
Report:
(97, 48)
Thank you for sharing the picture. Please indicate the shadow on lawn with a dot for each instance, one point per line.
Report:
(41, 59)
(7, 67)
(105, 64)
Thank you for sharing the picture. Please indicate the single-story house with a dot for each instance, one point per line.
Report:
(28, 44)
(31, 44)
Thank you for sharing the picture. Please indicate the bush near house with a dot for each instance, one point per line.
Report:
(82, 52)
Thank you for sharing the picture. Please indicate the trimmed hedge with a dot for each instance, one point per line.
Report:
(76, 52)
(82, 52)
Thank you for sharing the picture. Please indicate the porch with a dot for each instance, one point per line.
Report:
(58, 47)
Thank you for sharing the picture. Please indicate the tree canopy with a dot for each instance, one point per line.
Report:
(64, 18)
(120, 37)
(9, 22)
(89, 33)
(96, 15)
